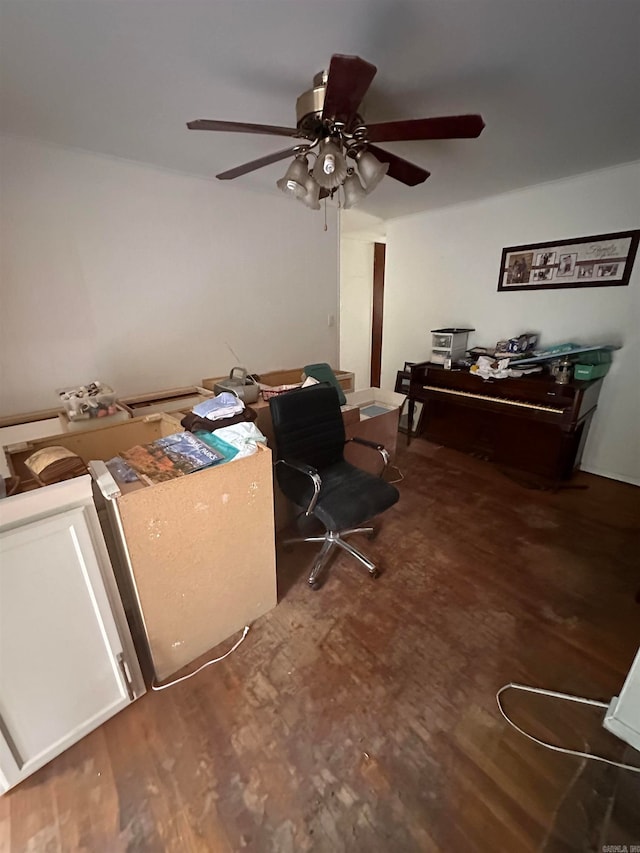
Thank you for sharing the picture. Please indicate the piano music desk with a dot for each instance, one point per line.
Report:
(530, 424)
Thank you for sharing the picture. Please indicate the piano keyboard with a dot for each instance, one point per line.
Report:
(503, 400)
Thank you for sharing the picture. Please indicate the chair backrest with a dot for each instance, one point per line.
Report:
(308, 425)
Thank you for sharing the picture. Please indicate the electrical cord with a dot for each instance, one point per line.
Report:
(155, 686)
(556, 695)
(400, 476)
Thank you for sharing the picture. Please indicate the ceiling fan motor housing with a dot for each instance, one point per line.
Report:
(309, 109)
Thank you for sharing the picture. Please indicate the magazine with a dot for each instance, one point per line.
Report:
(170, 457)
(121, 471)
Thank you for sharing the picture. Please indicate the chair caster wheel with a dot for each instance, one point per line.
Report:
(315, 585)
(375, 573)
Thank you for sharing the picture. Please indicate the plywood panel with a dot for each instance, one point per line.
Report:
(203, 556)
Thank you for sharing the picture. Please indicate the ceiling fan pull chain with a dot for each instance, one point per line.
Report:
(325, 214)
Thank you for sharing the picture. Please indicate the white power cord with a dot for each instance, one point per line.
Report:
(570, 698)
(399, 478)
(155, 686)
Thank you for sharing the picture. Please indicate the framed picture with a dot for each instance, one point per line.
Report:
(404, 417)
(403, 381)
(599, 261)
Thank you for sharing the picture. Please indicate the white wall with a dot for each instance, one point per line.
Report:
(356, 308)
(120, 272)
(442, 270)
(358, 233)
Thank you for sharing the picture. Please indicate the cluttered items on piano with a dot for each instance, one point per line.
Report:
(562, 361)
(487, 367)
(519, 356)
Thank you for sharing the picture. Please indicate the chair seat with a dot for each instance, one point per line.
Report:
(348, 497)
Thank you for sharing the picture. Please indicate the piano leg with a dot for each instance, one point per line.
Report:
(412, 406)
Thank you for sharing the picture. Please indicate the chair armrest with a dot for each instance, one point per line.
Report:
(374, 445)
(310, 471)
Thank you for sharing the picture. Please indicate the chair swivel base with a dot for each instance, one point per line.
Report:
(331, 540)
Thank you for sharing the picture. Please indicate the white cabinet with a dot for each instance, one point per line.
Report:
(67, 662)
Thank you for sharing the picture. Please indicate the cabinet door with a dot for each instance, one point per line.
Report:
(61, 665)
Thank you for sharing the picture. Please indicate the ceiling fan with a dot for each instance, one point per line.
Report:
(330, 128)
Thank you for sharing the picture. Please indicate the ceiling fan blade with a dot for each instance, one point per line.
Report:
(402, 170)
(444, 127)
(348, 79)
(241, 127)
(257, 164)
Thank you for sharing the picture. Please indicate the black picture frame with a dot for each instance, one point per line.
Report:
(603, 260)
(403, 381)
(417, 417)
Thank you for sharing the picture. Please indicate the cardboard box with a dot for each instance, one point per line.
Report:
(195, 557)
(93, 444)
(25, 430)
(379, 412)
(274, 378)
(180, 400)
(34, 425)
(375, 403)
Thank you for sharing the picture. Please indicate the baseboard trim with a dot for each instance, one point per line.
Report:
(600, 473)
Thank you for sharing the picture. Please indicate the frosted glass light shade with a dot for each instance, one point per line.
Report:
(354, 192)
(294, 181)
(330, 168)
(371, 170)
(312, 197)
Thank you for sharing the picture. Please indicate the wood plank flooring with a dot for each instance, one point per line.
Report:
(362, 717)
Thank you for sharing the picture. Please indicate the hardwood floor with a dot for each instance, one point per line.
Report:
(362, 717)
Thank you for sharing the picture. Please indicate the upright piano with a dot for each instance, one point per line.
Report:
(530, 424)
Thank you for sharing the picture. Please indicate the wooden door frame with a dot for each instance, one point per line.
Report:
(379, 253)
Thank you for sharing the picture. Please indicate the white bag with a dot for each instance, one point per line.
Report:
(244, 436)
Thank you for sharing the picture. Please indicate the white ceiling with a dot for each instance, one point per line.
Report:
(556, 81)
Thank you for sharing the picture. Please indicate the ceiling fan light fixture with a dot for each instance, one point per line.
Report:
(312, 197)
(295, 178)
(354, 192)
(371, 170)
(330, 168)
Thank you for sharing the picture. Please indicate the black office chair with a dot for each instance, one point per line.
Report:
(313, 473)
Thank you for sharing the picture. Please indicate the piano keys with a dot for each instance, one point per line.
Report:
(530, 424)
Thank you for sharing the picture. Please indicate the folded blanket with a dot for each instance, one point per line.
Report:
(192, 422)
